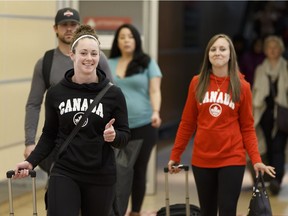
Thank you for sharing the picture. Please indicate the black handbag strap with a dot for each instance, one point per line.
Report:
(82, 120)
(260, 179)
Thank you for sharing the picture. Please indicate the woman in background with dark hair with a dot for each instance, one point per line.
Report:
(139, 77)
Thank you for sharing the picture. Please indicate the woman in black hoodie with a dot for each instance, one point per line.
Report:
(84, 177)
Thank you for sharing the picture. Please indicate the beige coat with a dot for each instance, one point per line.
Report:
(261, 91)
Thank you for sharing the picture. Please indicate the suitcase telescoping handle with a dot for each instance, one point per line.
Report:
(166, 171)
(9, 176)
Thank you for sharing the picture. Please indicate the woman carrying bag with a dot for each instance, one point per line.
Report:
(219, 111)
(83, 177)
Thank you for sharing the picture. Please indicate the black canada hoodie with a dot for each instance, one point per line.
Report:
(88, 158)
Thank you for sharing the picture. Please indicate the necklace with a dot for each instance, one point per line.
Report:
(218, 87)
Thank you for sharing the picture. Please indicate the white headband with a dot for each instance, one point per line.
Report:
(83, 36)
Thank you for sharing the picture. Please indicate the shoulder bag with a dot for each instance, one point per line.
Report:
(125, 160)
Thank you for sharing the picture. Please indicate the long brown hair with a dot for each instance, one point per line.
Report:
(206, 70)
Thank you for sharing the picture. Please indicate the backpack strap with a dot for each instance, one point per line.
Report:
(46, 66)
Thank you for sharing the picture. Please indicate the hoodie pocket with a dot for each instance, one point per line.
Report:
(87, 155)
(212, 143)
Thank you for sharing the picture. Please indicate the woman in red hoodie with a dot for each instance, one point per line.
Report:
(218, 110)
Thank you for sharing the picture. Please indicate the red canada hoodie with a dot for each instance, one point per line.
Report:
(224, 129)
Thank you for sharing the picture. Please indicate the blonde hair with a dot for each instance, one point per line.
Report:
(206, 70)
(275, 39)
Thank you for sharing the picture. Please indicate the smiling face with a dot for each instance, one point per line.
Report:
(219, 53)
(86, 56)
(126, 41)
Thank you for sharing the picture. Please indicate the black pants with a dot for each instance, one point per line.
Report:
(149, 136)
(68, 197)
(267, 123)
(278, 154)
(218, 189)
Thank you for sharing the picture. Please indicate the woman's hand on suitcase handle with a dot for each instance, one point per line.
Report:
(174, 167)
(22, 170)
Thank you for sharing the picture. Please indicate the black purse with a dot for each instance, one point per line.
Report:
(259, 203)
(125, 160)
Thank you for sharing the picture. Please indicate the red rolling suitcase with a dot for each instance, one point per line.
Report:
(9, 175)
(179, 209)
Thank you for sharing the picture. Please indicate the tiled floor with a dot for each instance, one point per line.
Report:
(152, 203)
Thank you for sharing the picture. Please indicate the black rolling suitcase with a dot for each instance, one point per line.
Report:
(179, 209)
(9, 175)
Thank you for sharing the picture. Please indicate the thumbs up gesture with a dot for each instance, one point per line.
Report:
(109, 133)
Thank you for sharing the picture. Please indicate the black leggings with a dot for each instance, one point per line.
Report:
(149, 136)
(68, 197)
(218, 189)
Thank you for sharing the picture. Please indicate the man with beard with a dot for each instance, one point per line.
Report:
(67, 20)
